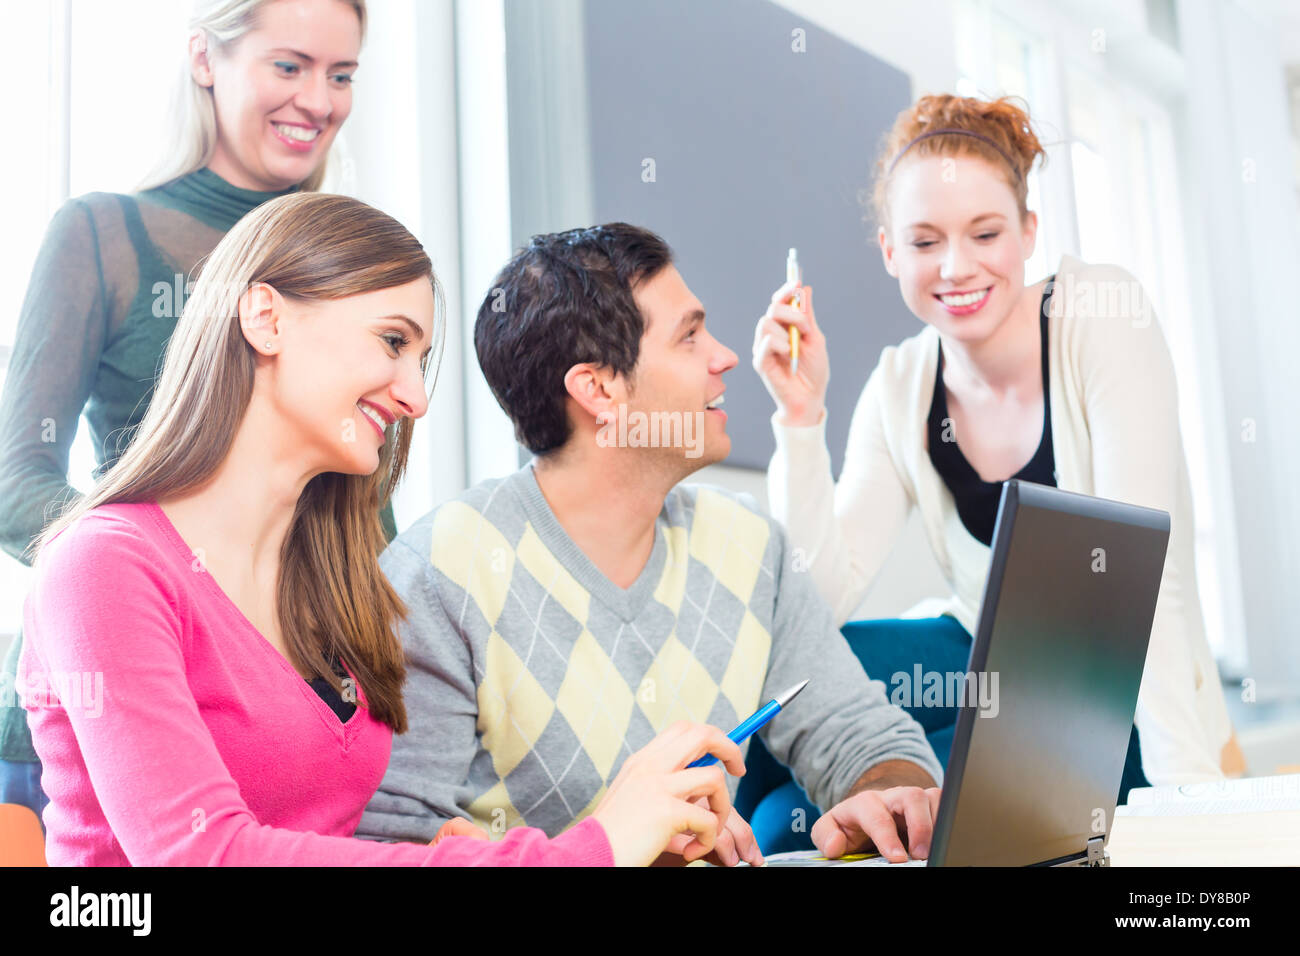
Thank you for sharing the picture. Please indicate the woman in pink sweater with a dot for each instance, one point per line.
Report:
(211, 671)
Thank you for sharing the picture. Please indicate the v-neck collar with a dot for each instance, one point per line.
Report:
(346, 730)
(1044, 452)
(627, 603)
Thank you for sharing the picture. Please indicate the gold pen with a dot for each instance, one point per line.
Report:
(792, 275)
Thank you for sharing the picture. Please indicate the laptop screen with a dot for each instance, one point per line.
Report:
(1058, 657)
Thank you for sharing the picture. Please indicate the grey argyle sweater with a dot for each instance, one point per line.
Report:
(532, 676)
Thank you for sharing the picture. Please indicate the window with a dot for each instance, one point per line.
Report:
(1110, 193)
(995, 57)
(95, 120)
(1125, 186)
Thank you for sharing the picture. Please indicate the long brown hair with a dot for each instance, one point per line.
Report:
(332, 596)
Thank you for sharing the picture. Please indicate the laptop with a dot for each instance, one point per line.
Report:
(1066, 616)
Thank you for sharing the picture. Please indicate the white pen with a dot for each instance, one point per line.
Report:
(792, 275)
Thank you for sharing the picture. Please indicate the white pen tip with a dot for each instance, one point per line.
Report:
(791, 694)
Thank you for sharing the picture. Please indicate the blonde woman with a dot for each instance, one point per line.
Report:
(183, 609)
(253, 120)
(1066, 381)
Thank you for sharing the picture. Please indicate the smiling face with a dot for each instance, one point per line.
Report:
(679, 368)
(338, 368)
(281, 91)
(957, 244)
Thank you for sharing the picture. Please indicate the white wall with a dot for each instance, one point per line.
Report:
(916, 37)
(1244, 218)
(485, 227)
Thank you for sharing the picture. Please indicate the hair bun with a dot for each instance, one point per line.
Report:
(998, 131)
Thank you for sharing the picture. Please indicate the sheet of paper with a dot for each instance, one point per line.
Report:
(1246, 795)
(815, 858)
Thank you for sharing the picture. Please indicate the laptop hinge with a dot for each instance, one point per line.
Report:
(1097, 855)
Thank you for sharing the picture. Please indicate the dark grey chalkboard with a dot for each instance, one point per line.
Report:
(756, 148)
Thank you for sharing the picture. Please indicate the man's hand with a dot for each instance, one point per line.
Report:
(458, 826)
(880, 818)
(735, 843)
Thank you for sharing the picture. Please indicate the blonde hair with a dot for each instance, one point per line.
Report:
(193, 114)
(332, 597)
(998, 131)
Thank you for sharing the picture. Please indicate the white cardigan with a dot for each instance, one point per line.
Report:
(1115, 435)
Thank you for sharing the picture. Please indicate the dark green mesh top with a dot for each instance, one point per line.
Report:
(100, 306)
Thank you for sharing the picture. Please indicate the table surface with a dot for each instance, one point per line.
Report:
(1269, 838)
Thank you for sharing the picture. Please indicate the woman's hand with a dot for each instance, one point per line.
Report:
(458, 826)
(735, 844)
(800, 398)
(652, 798)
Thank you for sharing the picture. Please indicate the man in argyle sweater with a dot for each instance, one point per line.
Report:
(562, 616)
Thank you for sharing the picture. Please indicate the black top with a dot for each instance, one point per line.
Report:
(343, 709)
(977, 499)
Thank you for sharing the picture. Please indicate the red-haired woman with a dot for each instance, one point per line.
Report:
(1066, 381)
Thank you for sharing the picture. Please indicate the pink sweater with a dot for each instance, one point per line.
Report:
(172, 733)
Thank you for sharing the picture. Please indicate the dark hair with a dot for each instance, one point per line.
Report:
(564, 299)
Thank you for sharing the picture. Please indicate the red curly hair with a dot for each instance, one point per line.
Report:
(1001, 121)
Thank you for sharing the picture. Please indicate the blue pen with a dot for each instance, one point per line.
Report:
(761, 716)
